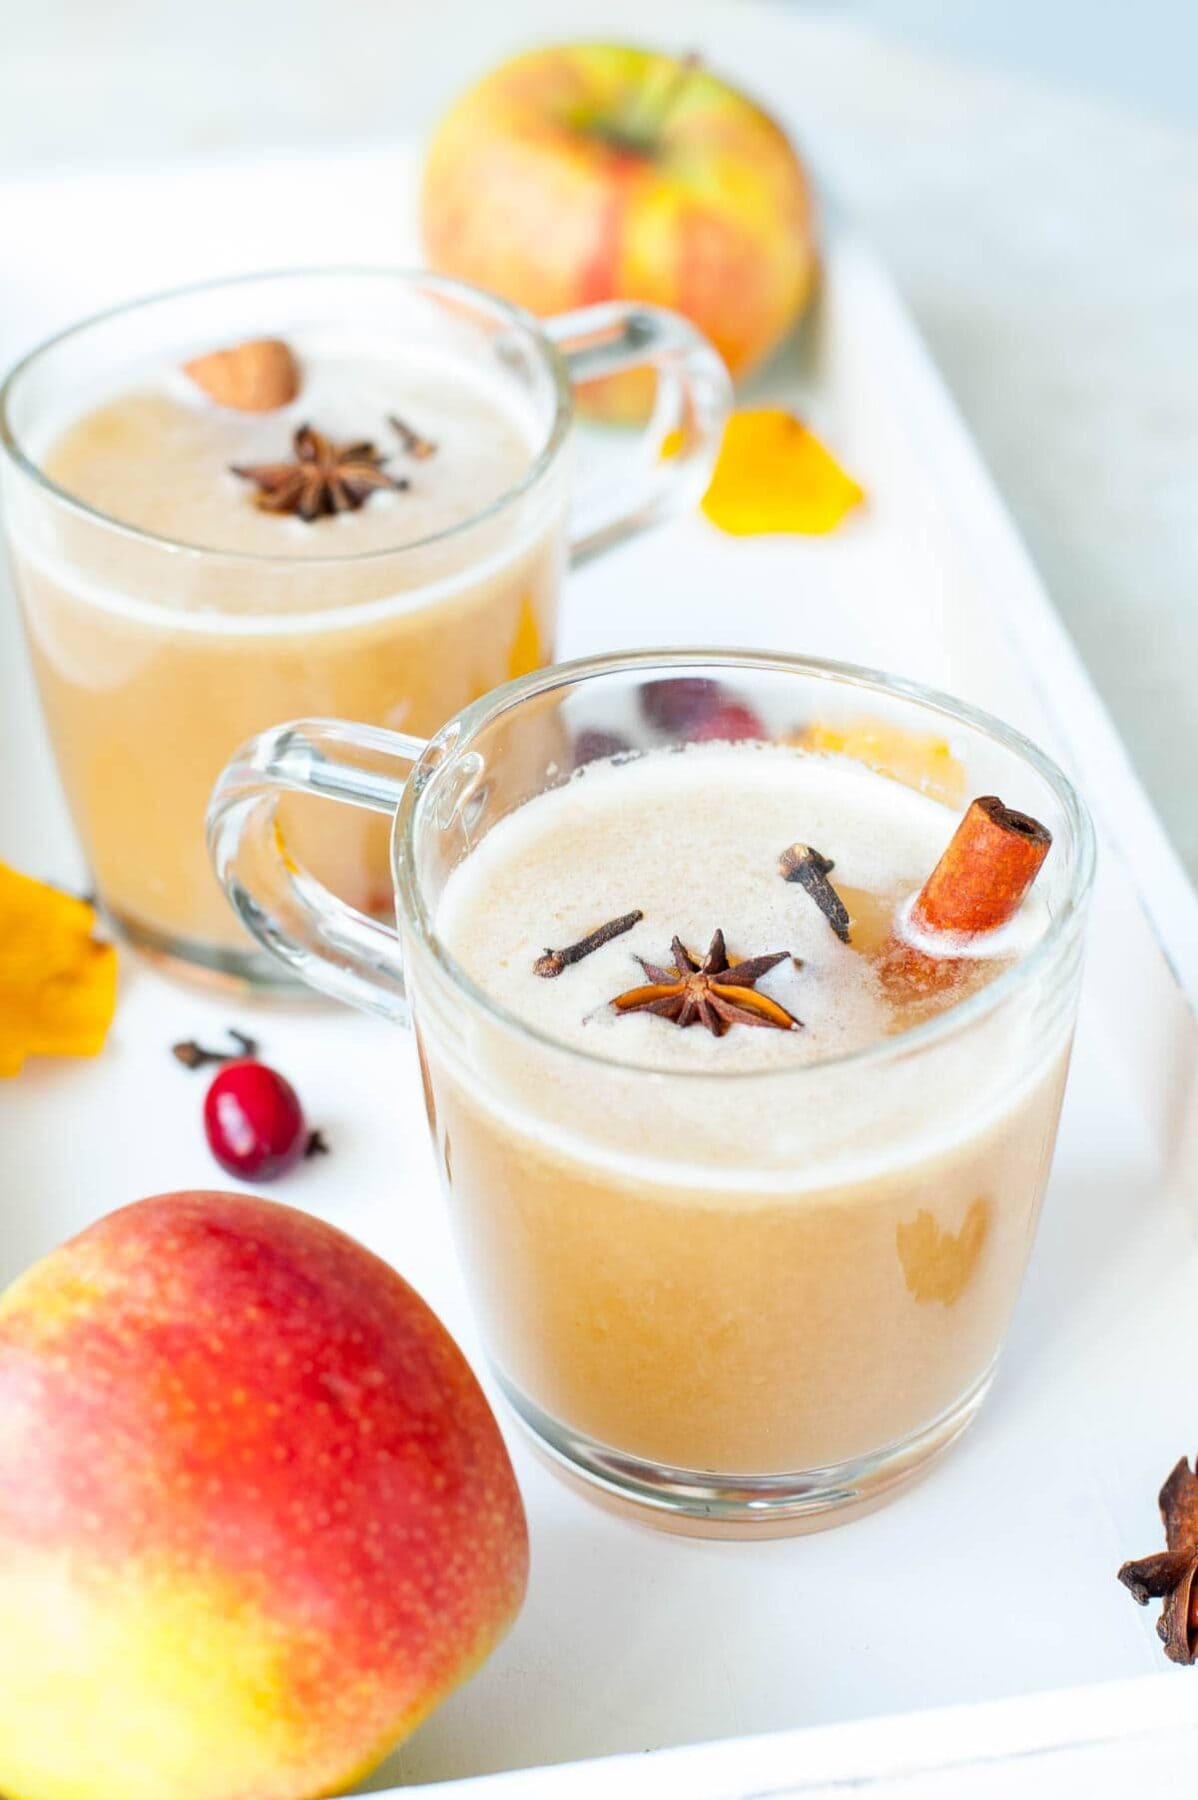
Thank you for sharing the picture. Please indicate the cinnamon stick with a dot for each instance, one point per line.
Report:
(980, 881)
(977, 886)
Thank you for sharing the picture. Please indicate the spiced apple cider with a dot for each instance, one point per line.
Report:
(714, 1246)
(296, 590)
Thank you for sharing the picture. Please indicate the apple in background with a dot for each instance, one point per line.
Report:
(256, 1517)
(592, 172)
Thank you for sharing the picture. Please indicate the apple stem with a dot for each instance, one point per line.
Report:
(650, 105)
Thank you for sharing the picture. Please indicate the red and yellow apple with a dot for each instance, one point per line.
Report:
(592, 172)
(256, 1517)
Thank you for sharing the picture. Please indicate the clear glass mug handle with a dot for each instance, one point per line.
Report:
(325, 942)
(694, 395)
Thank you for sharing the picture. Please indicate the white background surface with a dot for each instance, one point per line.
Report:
(1047, 241)
(994, 1577)
(1107, 1742)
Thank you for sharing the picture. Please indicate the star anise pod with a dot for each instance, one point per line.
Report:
(324, 479)
(1170, 1575)
(713, 992)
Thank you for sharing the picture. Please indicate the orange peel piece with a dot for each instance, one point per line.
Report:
(57, 980)
(774, 475)
(918, 760)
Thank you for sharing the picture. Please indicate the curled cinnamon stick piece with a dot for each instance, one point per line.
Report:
(980, 881)
(979, 884)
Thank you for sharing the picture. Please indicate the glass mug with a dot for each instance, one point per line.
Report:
(156, 658)
(744, 1320)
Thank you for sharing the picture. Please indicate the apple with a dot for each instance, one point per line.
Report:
(256, 1517)
(593, 171)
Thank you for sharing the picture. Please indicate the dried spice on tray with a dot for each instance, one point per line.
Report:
(1170, 1574)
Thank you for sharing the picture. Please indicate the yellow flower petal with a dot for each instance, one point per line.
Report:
(57, 982)
(773, 475)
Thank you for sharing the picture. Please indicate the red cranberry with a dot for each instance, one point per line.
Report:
(593, 746)
(678, 703)
(254, 1122)
(729, 723)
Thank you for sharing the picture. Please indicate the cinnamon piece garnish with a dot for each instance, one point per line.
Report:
(1170, 1574)
(411, 442)
(554, 961)
(257, 376)
(324, 479)
(804, 864)
(980, 881)
(977, 886)
(714, 992)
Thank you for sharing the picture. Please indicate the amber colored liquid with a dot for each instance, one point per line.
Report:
(668, 1270)
(746, 1332)
(139, 749)
(145, 709)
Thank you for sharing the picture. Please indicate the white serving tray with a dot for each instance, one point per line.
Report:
(995, 1577)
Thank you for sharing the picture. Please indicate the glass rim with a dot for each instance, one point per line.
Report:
(515, 317)
(442, 750)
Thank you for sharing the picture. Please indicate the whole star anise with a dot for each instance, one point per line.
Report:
(324, 479)
(1170, 1574)
(713, 992)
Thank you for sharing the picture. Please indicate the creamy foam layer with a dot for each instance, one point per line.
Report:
(157, 454)
(692, 839)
